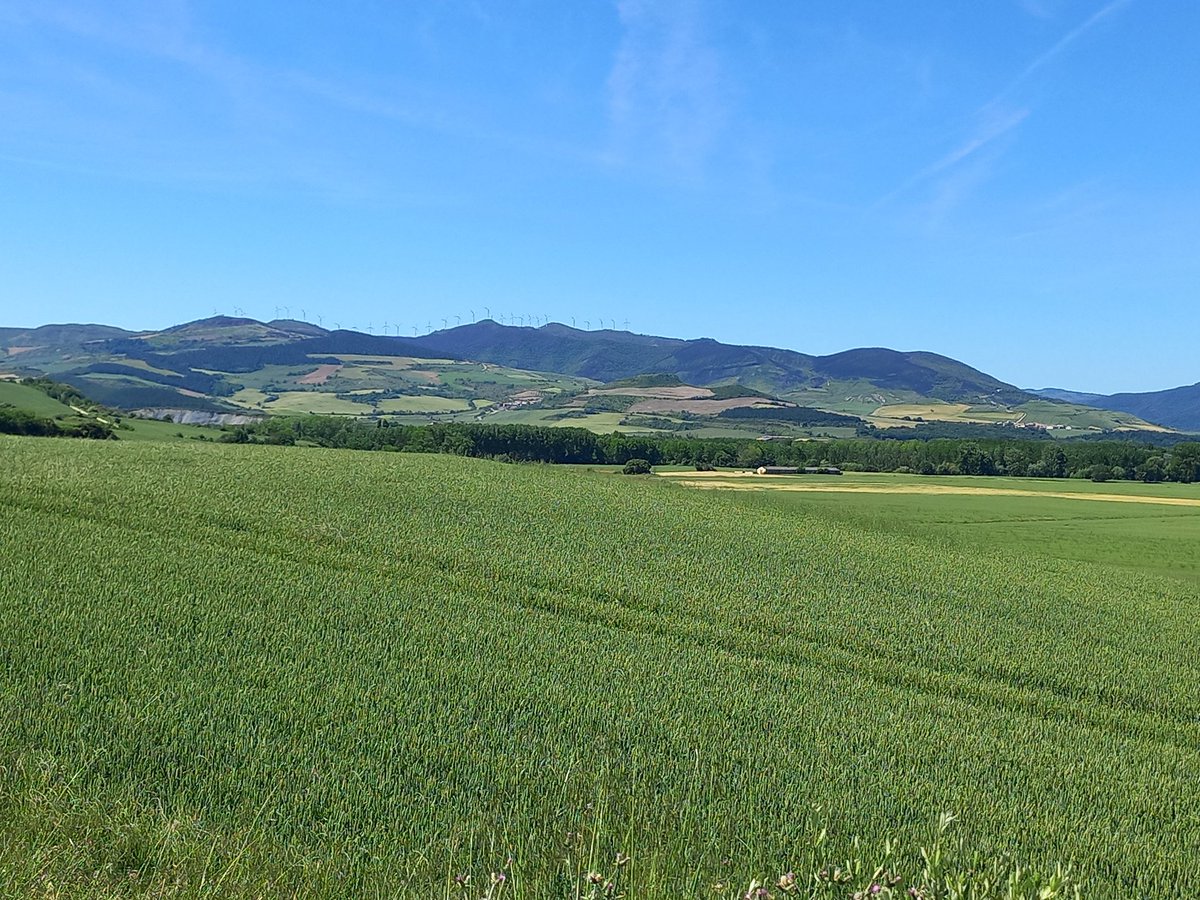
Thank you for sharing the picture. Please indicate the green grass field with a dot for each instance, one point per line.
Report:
(1078, 417)
(600, 422)
(31, 400)
(150, 430)
(38, 403)
(302, 403)
(1049, 518)
(1045, 412)
(423, 405)
(265, 671)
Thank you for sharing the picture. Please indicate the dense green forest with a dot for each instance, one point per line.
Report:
(18, 421)
(1098, 460)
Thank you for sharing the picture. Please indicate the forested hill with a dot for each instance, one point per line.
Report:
(608, 355)
(1177, 408)
(228, 344)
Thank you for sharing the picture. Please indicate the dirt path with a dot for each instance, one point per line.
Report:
(769, 483)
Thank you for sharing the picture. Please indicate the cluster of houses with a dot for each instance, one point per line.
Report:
(1038, 426)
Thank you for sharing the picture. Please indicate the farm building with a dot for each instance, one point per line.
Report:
(795, 470)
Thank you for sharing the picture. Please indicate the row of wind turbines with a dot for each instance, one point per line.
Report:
(513, 319)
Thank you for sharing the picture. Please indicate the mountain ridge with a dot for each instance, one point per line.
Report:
(199, 364)
(1177, 407)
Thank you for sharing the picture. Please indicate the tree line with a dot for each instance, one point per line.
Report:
(1098, 460)
(18, 421)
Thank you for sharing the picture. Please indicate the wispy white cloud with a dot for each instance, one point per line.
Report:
(1061, 45)
(994, 124)
(1040, 9)
(994, 120)
(666, 97)
(249, 121)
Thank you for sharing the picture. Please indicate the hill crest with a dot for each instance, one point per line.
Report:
(223, 363)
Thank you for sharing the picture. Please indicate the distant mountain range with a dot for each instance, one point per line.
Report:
(1177, 408)
(225, 364)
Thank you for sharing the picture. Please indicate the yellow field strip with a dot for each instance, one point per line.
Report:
(773, 483)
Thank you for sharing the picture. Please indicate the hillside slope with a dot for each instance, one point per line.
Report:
(225, 365)
(1176, 408)
(372, 672)
(611, 355)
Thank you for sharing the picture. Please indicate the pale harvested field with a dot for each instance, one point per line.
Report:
(700, 407)
(751, 482)
(394, 362)
(892, 414)
(319, 375)
(680, 392)
(939, 411)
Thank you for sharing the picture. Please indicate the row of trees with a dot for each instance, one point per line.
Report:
(1100, 460)
(18, 421)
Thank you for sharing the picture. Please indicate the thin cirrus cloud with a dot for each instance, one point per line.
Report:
(994, 125)
(258, 116)
(1063, 43)
(665, 95)
(249, 133)
(994, 120)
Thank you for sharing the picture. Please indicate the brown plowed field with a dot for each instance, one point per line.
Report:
(319, 375)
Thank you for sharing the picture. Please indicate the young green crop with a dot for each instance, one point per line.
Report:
(261, 670)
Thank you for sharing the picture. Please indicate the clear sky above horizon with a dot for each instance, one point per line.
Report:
(1013, 183)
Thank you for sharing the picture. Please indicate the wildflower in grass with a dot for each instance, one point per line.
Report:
(787, 882)
(462, 880)
(594, 878)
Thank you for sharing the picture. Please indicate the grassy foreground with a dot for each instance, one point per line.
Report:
(256, 671)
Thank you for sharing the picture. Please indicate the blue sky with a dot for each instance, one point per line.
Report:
(1014, 183)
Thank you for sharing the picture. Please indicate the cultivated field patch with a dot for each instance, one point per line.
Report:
(320, 374)
(422, 404)
(677, 392)
(698, 407)
(802, 483)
